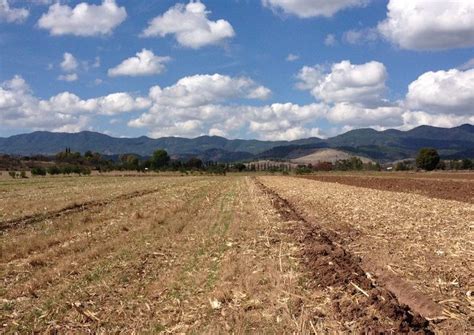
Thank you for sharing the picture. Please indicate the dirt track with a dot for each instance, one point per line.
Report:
(436, 187)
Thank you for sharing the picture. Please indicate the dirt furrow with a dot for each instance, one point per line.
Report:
(355, 296)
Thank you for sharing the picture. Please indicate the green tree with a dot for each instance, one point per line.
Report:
(194, 163)
(427, 159)
(467, 164)
(159, 160)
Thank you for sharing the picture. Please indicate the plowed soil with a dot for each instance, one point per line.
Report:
(418, 248)
(460, 189)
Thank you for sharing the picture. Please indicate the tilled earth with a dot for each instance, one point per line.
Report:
(230, 255)
(417, 247)
(458, 187)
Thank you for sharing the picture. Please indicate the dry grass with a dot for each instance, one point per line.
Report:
(201, 254)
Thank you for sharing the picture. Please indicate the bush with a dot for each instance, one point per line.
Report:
(427, 159)
(467, 164)
(302, 169)
(38, 171)
(23, 175)
(12, 174)
(402, 166)
(54, 170)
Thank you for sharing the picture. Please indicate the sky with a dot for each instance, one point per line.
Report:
(260, 69)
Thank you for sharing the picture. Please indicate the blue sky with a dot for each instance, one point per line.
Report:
(268, 69)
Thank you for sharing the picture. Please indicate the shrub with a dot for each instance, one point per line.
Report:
(54, 170)
(23, 175)
(402, 166)
(12, 174)
(427, 159)
(38, 171)
(467, 164)
(302, 169)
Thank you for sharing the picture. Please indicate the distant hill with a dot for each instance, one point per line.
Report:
(383, 146)
(326, 155)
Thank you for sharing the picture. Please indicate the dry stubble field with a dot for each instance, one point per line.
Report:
(235, 254)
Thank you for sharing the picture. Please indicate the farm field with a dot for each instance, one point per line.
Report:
(234, 254)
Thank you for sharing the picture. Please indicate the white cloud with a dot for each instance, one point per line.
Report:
(84, 19)
(357, 115)
(193, 107)
(443, 92)
(68, 77)
(15, 15)
(345, 82)
(361, 36)
(330, 40)
(199, 90)
(312, 8)
(429, 24)
(413, 119)
(69, 62)
(145, 63)
(19, 108)
(292, 58)
(190, 26)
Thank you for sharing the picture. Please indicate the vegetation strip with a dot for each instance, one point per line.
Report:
(332, 266)
(73, 208)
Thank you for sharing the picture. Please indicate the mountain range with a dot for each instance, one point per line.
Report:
(383, 146)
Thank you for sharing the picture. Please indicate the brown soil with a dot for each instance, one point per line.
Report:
(436, 188)
(418, 247)
(354, 295)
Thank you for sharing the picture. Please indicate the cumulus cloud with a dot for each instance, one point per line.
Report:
(312, 8)
(19, 107)
(84, 19)
(193, 105)
(358, 115)
(145, 63)
(69, 62)
(202, 104)
(354, 95)
(413, 119)
(443, 92)
(12, 15)
(429, 24)
(200, 90)
(344, 82)
(330, 40)
(190, 26)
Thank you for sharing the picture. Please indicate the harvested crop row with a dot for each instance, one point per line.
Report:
(414, 244)
(202, 255)
(30, 197)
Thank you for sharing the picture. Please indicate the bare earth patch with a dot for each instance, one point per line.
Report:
(458, 187)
